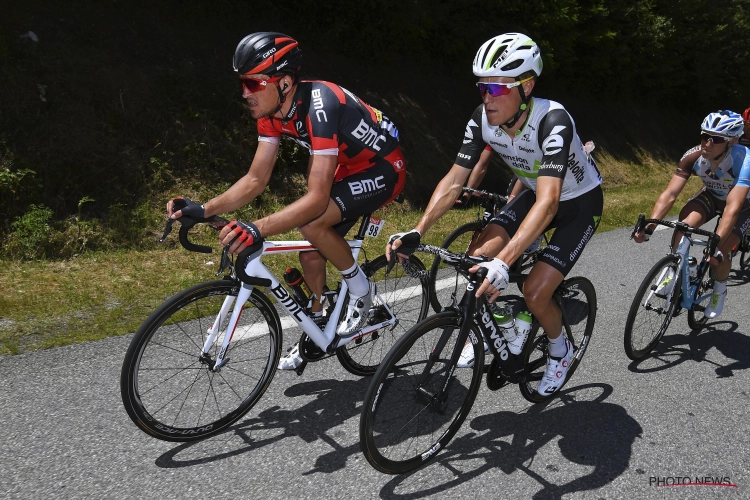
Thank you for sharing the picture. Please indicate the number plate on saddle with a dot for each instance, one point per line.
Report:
(374, 227)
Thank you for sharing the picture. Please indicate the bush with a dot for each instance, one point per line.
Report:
(30, 233)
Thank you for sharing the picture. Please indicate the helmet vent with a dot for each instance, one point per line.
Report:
(512, 65)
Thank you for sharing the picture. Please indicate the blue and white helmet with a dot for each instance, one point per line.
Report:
(511, 55)
(726, 123)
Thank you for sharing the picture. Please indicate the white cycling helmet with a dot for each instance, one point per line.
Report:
(511, 55)
(726, 123)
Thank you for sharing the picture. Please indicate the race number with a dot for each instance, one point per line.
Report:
(374, 227)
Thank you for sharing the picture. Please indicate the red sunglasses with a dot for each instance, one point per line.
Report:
(253, 85)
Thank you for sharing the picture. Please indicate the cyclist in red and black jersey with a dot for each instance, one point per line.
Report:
(355, 167)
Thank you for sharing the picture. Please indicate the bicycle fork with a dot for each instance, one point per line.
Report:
(215, 329)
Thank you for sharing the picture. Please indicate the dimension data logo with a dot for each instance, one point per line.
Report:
(674, 481)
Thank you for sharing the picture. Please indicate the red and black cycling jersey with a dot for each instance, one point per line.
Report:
(327, 119)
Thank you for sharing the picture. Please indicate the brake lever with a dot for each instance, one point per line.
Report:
(167, 230)
(226, 262)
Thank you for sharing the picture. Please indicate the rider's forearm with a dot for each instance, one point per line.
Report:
(663, 205)
(306, 209)
(446, 192)
(242, 192)
(539, 217)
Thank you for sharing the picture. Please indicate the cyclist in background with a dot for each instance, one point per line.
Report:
(355, 167)
(745, 138)
(724, 167)
(537, 139)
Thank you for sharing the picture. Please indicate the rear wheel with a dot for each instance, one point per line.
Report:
(171, 391)
(417, 401)
(745, 247)
(398, 294)
(444, 281)
(578, 303)
(650, 314)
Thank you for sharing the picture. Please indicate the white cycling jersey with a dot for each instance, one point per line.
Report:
(546, 145)
(733, 170)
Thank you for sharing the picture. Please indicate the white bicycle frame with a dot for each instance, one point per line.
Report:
(688, 288)
(255, 268)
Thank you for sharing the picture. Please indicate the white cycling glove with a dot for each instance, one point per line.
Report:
(497, 273)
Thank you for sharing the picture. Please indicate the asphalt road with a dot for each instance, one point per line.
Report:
(615, 428)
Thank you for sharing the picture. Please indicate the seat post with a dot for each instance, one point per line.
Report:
(363, 227)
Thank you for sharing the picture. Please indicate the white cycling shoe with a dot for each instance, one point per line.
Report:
(466, 360)
(556, 372)
(292, 359)
(357, 313)
(716, 305)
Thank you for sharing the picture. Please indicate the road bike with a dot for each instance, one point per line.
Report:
(418, 398)
(659, 298)
(744, 250)
(444, 280)
(205, 356)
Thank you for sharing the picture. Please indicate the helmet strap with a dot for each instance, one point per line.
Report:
(726, 150)
(282, 98)
(525, 99)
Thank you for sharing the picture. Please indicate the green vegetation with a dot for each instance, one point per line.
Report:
(120, 106)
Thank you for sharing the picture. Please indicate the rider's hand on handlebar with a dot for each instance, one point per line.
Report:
(497, 278)
(240, 235)
(177, 207)
(404, 244)
(644, 235)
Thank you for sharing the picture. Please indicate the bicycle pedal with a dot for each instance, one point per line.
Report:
(300, 368)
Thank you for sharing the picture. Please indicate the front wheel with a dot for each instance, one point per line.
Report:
(701, 299)
(170, 390)
(417, 400)
(444, 281)
(652, 310)
(576, 298)
(398, 295)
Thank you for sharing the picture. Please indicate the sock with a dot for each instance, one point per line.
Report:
(356, 281)
(720, 286)
(558, 347)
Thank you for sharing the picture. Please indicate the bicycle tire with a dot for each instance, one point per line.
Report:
(401, 428)
(638, 340)
(745, 255)
(446, 281)
(407, 298)
(696, 314)
(169, 393)
(578, 299)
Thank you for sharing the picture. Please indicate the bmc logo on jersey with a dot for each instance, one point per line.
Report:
(318, 105)
(366, 185)
(553, 144)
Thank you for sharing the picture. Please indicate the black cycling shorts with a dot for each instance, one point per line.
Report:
(710, 206)
(366, 191)
(575, 222)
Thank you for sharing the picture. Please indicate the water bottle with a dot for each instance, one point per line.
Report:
(523, 327)
(296, 282)
(692, 267)
(504, 318)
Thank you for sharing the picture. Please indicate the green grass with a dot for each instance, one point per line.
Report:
(101, 294)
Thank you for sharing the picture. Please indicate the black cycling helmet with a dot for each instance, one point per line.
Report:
(268, 53)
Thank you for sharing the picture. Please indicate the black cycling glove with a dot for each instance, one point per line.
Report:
(409, 241)
(189, 208)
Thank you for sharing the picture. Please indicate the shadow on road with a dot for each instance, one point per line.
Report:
(724, 336)
(336, 401)
(592, 433)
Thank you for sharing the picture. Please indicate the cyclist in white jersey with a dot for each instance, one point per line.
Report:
(724, 167)
(745, 138)
(537, 139)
